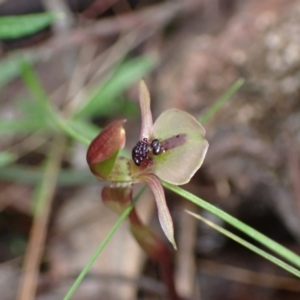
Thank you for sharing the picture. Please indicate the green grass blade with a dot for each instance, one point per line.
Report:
(222, 100)
(83, 128)
(248, 245)
(41, 106)
(254, 234)
(6, 158)
(46, 186)
(31, 176)
(12, 27)
(19, 126)
(68, 130)
(33, 84)
(103, 100)
(10, 68)
(102, 245)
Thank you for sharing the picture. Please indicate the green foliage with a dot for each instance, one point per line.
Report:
(6, 158)
(102, 101)
(10, 68)
(39, 106)
(18, 126)
(84, 128)
(12, 27)
(30, 176)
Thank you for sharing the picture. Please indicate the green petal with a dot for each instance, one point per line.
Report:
(183, 137)
(164, 216)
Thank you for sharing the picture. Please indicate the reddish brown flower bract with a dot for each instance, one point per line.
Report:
(110, 139)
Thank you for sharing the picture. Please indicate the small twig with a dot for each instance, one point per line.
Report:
(78, 78)
(144, 283)
(97, 8)
(60, 25)
(38, 231)
(121, 6)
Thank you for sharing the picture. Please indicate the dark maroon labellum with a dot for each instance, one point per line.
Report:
(141, 150)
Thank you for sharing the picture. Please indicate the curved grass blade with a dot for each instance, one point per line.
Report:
(254, 234)
(222, 100)
(248, 245)
(6, 158)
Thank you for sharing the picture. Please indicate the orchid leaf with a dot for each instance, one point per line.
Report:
(103, 150)
(147, 123)
(182, 138)
(164, 215)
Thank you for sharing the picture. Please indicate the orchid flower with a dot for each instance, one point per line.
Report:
(172, 149)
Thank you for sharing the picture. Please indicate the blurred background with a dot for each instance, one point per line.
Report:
(87, 65)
